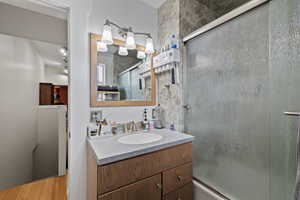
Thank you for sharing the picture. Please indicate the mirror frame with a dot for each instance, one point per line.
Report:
(93, 78)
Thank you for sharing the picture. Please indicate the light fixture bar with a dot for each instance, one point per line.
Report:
(125, 30)
(129, 35)
(146, 34)
(107, 22)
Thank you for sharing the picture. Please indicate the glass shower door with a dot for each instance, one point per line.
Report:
(238, 84)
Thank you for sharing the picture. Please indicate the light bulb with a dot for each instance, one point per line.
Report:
(107, 35)
(101, 47)
(63, 51)
(123, 51)
(66, 71)
(149, 46)
(141, 55)
(130, 41)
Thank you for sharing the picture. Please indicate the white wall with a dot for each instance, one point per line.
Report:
(31, 25)
(51, 131)
(54, 75)
(78, 96)
(19, 71)
(82, 21)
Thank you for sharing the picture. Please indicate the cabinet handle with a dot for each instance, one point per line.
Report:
(179, 179)
(159, 186)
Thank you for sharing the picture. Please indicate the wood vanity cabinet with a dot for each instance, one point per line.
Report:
(162, 175)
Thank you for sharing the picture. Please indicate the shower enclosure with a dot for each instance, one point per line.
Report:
(240, 79)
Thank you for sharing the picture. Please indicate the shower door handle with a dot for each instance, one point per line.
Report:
(292, 113)
(187, 107)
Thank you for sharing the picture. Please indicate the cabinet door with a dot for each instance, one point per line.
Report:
(125, 172)
(184, 193)
(177, 177)
(46, 94)
(147, 189)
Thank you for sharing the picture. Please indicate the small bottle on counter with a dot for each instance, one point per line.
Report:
(151, 124)
(172, 127)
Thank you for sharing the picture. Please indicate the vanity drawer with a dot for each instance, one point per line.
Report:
(177, 177)
(184, 193)
(119, 174)
(147, 189)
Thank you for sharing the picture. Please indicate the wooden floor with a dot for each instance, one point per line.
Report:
(47, 189)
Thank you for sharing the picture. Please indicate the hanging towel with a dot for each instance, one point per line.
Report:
(297, 185)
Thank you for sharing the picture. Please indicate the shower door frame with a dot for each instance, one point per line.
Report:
(206, 28)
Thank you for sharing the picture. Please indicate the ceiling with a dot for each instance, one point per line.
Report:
(154, 3)
(50, 53)
(39, 7)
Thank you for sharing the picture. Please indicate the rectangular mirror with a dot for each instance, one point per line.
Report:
(119, 77)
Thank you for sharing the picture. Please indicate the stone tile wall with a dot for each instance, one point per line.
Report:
(182, 17)
(193, 15)
(169, 96)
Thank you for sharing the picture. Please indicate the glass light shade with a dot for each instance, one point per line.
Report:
(123, 51)
(101, 47)
(107, 35)
(130, 41)
(141, 55)
(149, 46)
(63, 51)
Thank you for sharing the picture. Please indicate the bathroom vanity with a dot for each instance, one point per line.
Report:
(141, 166)
(141, 170)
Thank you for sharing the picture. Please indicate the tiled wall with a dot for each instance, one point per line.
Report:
(193, 15)
(222, 7)
(168, 20)
(169, 95)
(178, 17)
(182, 17)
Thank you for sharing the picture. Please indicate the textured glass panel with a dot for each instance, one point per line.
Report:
(241, 77)
(228, 89)
(285, 94)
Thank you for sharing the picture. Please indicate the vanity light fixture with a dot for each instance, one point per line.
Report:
(63, 51)
(130, 41)
(107, 34)
(123, 51)
(66, 71)
(101, 47)
(149, 46)
(141, 55)
(128, 34)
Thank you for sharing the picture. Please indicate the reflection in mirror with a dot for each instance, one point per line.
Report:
(121, 75)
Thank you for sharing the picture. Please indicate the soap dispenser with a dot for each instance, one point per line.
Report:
(158, 117)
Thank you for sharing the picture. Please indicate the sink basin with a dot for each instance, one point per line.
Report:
(142, 138)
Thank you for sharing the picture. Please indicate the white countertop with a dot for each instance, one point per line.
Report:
(107, 149)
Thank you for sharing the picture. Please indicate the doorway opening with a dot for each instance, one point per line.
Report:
(34, 83)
